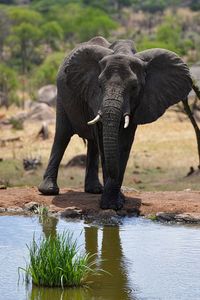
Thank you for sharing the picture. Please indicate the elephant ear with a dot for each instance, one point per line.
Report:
(167, 81)
(82, 70)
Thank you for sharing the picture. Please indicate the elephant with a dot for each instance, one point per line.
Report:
(104, 91)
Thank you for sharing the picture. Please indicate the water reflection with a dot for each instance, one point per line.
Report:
(58, 294)
(48, 224)
(112, 286)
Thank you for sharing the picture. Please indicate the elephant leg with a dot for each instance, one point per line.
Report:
(112, 196)
(92, 183)
(62, 137)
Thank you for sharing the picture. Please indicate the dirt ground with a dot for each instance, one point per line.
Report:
(140, 203)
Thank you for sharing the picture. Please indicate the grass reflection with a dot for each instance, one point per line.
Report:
(106, 244)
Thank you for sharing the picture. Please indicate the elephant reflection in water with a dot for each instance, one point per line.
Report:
(111, 286)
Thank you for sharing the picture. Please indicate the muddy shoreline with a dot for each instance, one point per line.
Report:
(183, 206)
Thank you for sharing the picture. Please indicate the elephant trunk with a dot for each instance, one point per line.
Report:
(112, 113)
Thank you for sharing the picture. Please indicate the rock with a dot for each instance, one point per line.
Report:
(3, 187)
(126, 189)
(77, 161)
(181, 218)
(31, 163)
(52, 209)
(122, 213)
(195, 72)
(15, 209)
(31, 206)
(165, 217)
(41, 112)
(20, 116)
(103, 217)
(3, 209)
(44, 131)
(196, 114)
(188, 218)
(28, 104)
(47, 94)
(107, 213)
(71, 212)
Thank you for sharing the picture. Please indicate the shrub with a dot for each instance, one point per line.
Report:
(8, 84)
(17, 124)
(46, 73)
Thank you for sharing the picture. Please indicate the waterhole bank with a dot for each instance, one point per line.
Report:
(183, 206)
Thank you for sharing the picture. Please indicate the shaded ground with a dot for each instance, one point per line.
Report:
(141, 203)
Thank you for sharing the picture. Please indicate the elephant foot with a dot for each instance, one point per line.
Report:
(94, 187)
(48, 187)
(112, 202)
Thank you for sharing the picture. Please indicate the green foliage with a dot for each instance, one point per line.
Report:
(46, 73)
(16, 123)
(52, 34)
(25, 35)
(55, 262)
(151, 6)
(8, 84)
(23, 41)
(46, 6)
(82, 23)
(33, 36)
(195, 5)
(99, 23)
(20, 15)
(153, 218)
(168, 36)
(4, 28)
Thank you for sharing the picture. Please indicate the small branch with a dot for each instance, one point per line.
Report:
(196, 89)
(194, 124)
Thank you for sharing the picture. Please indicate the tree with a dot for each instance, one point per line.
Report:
(47, 71)
(81, 23)
(169, 35)
(52, 34)
(8, 84)
(151, 6)
(4, 29)
(99, 23)
(19, 15)
(195, 5)
(23, 41)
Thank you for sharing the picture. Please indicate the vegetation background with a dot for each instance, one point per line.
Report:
(36, 35)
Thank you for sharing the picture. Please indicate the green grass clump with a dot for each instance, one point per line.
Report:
(153, 218)
(55, 262)
(16, 124)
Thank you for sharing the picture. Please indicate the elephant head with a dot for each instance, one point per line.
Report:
(121, 86)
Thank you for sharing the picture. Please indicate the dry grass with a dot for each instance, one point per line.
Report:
(160, 157)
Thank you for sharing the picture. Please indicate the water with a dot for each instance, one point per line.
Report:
(146, 260)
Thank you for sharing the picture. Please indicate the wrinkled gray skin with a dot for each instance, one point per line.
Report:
(112, 80)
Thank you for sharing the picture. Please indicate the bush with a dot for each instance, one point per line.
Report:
(55, 262)
(8, 84)
(17, 124)
(82, 23)
(46, 73)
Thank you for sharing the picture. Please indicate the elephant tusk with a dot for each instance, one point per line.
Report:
(95, 120)
(126, 121)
